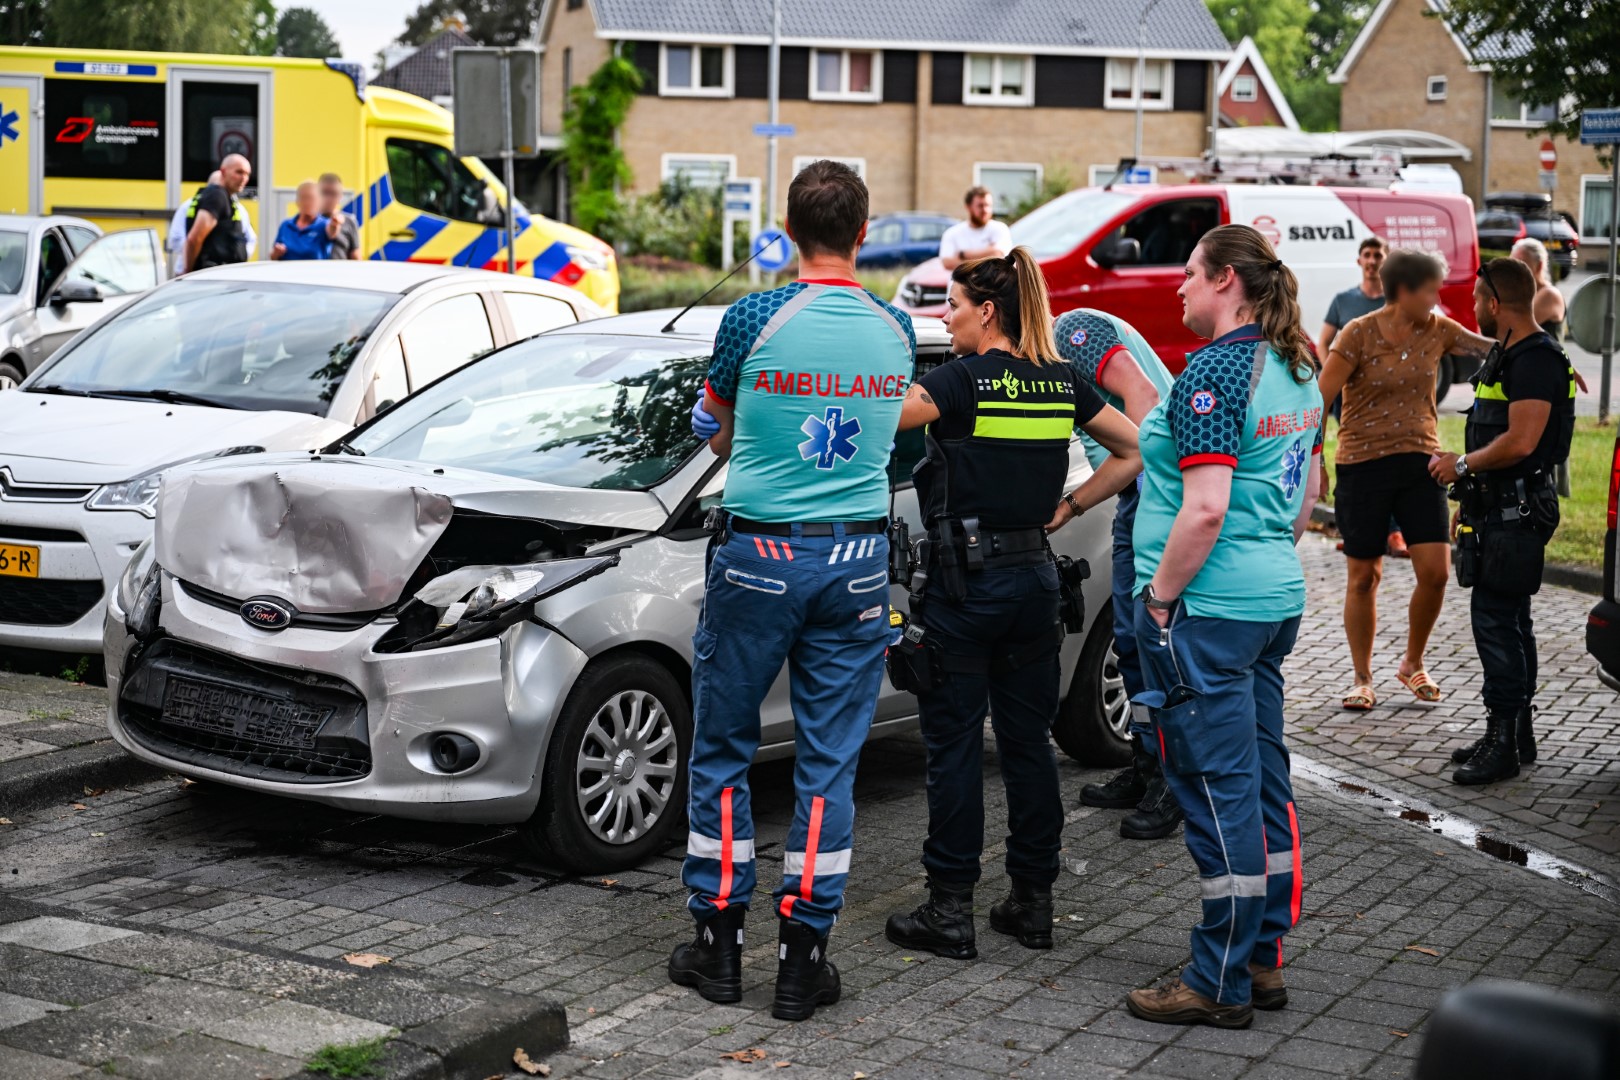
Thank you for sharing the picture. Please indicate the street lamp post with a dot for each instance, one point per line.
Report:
(1141, 71)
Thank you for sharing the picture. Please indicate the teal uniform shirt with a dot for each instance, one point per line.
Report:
(1234, 407)
(1088, 340)
(817, 373)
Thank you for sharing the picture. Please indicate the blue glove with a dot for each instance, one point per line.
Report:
(704, 426)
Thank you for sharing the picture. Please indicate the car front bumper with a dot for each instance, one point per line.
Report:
(503, 693)
(82, 554)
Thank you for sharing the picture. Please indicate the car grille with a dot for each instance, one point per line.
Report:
(213, 710)
(342, 621)
(20, 492)
(34, 532)
(45, 601)
(921, 296)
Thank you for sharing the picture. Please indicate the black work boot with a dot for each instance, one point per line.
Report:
(713, 961)
(1127, 787)
(1157, 815)
(1025, 914)
(1527, 735)
(942, 924)
(1498, 756)
(804, 978)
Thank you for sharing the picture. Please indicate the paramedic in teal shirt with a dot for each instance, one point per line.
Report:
(1230, 482)
(804, 394)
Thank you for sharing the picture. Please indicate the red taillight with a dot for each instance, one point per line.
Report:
(1523, 231)
(1614, 485)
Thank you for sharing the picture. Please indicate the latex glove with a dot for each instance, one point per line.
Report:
(704, 426)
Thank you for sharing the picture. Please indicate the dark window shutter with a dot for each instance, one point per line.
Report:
(900, 76)
(1069, 82)
(1192, 86)
(644, 54)
(948, 78)
(753, 71)
(795, 74)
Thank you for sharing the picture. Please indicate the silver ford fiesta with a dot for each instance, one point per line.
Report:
(479, 605)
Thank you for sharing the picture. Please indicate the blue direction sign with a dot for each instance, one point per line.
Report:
(781, 130)
(773, 250)
(1600, 126)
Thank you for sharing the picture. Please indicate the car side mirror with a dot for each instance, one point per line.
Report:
(1117, 251)
(76, 292)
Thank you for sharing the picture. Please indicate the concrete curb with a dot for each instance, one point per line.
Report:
(31, 782)
(1580, 578)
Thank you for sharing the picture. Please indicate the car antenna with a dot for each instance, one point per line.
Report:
(1126, 164)
(669, 327)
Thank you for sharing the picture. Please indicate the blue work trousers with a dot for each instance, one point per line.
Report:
(1217, 690)
(1125, 605)
(821, 605)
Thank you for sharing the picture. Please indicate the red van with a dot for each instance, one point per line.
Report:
(1122, 249)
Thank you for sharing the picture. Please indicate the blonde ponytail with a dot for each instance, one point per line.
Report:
(1017, 287)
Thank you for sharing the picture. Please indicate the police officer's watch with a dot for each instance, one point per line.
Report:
(1074, 505)
(1151, 599)
(1462, 466)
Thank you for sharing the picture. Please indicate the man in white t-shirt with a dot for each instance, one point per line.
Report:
(979, 237)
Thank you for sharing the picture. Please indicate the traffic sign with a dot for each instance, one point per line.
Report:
(1585, 315)
(780, 130)
(1549, 155)
(1600, 126)
(773, 250)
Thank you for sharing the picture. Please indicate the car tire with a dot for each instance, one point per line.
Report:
(624, 705)
(11, 374)
(1093, 720)
(1444, 376)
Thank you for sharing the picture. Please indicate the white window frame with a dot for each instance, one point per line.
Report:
(1244, 87)
(1098, 175)
(1589, 180)
(995, 97)
(1434, 88)
(842, 93)
(664, 161)
(727, 67)
(1524, 108)
(856, 163)
(1164, 105)
(1033, 166)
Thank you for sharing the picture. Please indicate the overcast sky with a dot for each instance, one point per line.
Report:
(361, 26)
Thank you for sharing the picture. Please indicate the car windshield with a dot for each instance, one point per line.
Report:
(575, 410)
(1062, 224)
(230, 343)
(13, 261)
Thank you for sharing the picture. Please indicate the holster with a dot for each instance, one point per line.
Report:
(1071, 598)
(913, 659)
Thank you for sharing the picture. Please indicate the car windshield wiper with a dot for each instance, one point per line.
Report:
(70, 391)
(343, 446)
(173, 397)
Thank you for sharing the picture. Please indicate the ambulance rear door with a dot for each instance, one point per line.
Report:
(22, 161)
(215, 112)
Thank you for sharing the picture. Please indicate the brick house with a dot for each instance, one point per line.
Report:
(1407, 69)
(1247, 95)
(924, 99)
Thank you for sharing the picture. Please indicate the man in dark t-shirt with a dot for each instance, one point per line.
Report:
(216, 237)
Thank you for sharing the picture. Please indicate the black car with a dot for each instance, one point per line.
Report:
(1510, 216)
(1603, 624)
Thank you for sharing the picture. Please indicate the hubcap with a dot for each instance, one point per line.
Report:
(626, 767)
(1116, 706)
(7, 382)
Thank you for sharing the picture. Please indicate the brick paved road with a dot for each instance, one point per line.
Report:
(1568, 803)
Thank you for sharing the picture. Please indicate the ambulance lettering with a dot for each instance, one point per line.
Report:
(806, 384)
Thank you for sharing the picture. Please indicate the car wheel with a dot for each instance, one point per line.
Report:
(1444, 376)
(1093, 721)
(614, 785)
(10, 374)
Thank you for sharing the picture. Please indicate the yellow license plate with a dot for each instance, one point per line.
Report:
(19, 561)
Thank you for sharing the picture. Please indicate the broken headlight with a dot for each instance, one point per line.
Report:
(477, 602)
(140, 591)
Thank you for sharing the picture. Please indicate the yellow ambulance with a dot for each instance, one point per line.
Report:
(122, 138)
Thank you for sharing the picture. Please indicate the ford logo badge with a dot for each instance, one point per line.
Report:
(267, 613)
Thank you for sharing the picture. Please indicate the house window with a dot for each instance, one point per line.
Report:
(1011, 182)
(1120, 90)
(1098, 175)
(846, 75)
(1597, 207)
(694, 71)
(1437, 88)
(856, 163)
(1245, 88)
(706, 171)
(998, 80)
(1507, 107)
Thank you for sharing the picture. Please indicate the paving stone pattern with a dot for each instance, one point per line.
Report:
(39, 715)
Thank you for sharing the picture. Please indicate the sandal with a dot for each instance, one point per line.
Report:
(1360, 699)
(1423, 688)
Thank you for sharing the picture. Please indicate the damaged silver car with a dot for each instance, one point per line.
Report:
(479, 605)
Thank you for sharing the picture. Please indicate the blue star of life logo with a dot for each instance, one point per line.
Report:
(831, 439)
(1203, 403)
(8, 127)
(1293, 469)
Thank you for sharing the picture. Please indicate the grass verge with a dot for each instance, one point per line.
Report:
(348, 1059)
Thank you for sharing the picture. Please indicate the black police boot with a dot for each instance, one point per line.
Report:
(942, 924)
(804, 978)
(1128, 786)
(1461, 755)
(1157, 815)
(1498, 758)
(713, 961)
(1025, 914)
(1527, 735)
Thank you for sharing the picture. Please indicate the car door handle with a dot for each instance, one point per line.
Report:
(404, 234)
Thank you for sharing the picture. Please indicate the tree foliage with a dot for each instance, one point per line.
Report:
(302, 32)
(1302, 41)
(201, 26)
(596, 165)
(489, 22)
(1547, 50)
(22, 22)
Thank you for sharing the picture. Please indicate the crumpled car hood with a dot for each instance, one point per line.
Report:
(344, 534)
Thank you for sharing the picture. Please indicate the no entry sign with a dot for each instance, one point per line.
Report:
(1549, 155)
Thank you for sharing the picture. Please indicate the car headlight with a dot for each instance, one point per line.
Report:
(140, 493)
(140, 592)
(140, 564)
(589, 258)
(478, 602)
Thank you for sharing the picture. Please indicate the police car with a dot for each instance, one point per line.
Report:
(479, 606)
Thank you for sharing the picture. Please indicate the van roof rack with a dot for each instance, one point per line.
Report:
(1302, 170)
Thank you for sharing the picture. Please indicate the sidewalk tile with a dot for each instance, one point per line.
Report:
(198, 1057)
(20, 1064)
(16, 1010)
(53, 934)
(81, 1036)
(294, 1029)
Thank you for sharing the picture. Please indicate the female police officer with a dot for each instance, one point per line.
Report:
(998, 454)
(1229, 484)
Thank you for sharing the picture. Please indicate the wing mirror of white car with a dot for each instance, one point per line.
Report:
(76, 292)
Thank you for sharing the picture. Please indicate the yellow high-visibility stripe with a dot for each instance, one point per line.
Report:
(1026, 428)
(1490, 392)
(1060, 406)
